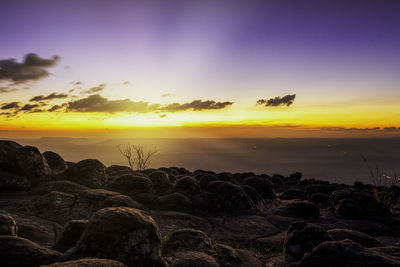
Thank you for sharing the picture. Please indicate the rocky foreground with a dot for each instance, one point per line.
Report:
(57, 213)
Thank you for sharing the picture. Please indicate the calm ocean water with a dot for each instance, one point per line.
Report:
(336, 160)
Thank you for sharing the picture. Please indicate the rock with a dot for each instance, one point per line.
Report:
(8, 156)
(8, 226)
(293, 179)
(205, 179)
(122, 201)
(91, 262)
(254, 196)
(344, 253)
(170, 221)
(262, 186)
(193, 259)
(89, 201)
(301, 238)
(63, 186)
(230, 197)
(293, 193)
(70, 235)
(88, 172)
(348, 208)
(13, 182)
(350, 203)
(277, 181)
(131, 185)
(32, 164)
(227, 255)
(40, 231)
(241, 228)
(187, 185)
(56, 162)
(161, 182)
(187, 240)
(302, 209)
(173, 202)
(18, 251)
(54, 206)
(248, 259)
(317, 188)
(358, 237)
(123, 234)
(320, 199)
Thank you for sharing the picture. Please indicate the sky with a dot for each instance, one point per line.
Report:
(200, 68)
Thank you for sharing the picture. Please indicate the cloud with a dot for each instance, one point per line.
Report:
(355, 129)
(196, 105)
(286, 100)
(29, 107)
(7, 90)
(126, 83)
(56, 108)
(95, 89)
(97, 103)
(33, 68)
(49, 97)
(12, 105)
(163, 115)
(166, 95)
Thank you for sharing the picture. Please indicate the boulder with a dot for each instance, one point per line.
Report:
(56, 163)
(8, 226)
(205, 179)
(123, 234)
(131, 185)
(161, 182)
(70, 235)
(345, 253)
(13, 182)
(301, 238)
(173, 202)
(60, 186)
(187, 240)
(358, 237)
(187, 185)
(8, 156)
(230, 197)
(302, 209)
(193, 259)
(262, 186)
(88, 172)
(227, 255)
(122, 201)
(320, 199)
(293, 193)
(90, 262)
(18, 251)
(54, 206)
(32, 164)
(348, 208)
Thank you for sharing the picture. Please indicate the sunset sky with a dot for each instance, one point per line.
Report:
(200, 68)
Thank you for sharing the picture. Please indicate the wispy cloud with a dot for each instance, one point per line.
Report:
(48, 97)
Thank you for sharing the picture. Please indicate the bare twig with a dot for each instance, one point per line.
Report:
(137, 156)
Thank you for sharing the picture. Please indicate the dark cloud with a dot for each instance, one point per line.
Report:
(12, 105)
(163, 115)
(196, 105)
(29, 107)
(95, 89)
(7, 90)
(33, 68)
(97, 103)
(391, 129)
(56, 108)
(355, 129)
(49, 97)
(286, 100)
